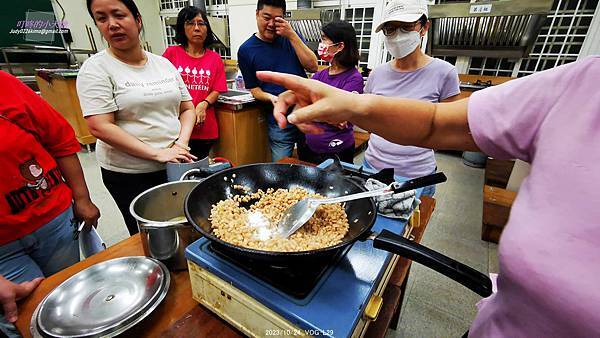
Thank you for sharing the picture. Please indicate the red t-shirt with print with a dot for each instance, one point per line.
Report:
(202, 76)
(33, 135)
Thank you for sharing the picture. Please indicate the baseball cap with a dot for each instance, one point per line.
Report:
(403, 10)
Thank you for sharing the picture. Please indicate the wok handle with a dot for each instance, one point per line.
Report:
(467, 276)
(419, 182)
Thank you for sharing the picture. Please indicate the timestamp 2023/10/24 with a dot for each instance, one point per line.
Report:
(297, 332)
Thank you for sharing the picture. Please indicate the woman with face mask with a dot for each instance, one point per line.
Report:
(338, 47)
(410, 74)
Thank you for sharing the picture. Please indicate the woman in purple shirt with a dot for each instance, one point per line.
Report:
(338, 47)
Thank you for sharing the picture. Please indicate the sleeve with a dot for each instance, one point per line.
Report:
(354, 84)
(53, 131)
(505, 119)
(370, 80)
(220, 83)
(168, 54)
(248, 70)
(185, 94)
(317, 75)
(168, 65)
(95, 90)
(451, 84)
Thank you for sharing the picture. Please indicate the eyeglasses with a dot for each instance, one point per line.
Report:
(192, 23)
(391, 29)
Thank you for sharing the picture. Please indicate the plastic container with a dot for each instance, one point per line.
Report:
(239, 81)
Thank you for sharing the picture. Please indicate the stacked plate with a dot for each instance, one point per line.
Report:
(103, 300)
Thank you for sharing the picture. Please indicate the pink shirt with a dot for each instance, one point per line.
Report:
(201, 76)
(549, 253)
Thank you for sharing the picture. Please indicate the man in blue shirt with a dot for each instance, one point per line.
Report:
(275, 47)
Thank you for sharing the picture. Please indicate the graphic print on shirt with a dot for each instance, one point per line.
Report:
(335, 143)
(38, 184)
(32, 171)
(195, 79)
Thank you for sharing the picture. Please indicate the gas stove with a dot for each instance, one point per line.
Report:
(336, 298)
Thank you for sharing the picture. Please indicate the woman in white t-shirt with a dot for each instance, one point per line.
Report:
(136, 104)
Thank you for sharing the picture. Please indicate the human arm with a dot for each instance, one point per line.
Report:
(402, 121)
(83, 207)
(452, 98)
(187, 119)
(201, 107)
(307, 57)
(11, 292)
(261, 95)
(103, 127)
(218, 86)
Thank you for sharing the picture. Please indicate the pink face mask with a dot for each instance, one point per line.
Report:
(323, 51)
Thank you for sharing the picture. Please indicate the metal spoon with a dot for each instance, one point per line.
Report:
(299, 213)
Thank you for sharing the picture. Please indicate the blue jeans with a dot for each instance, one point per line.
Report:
(282, 141)
(427, 191)
(42, 253)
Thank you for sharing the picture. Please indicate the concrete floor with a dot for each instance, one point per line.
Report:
(434, 305)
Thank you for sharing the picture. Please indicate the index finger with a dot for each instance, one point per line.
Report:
(292, 82)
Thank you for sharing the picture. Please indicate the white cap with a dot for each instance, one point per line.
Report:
(404, 11)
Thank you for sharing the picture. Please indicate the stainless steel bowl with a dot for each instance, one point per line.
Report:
(163, 228)
(104, 299)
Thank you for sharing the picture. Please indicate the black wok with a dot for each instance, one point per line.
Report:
(219, 187)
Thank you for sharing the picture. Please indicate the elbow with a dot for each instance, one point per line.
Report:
(313, 66)
(95, 129)
(95, 132)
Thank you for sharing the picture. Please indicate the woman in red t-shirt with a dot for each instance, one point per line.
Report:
(202, 71)
(43, 191)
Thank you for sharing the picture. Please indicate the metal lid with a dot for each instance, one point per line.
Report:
(106, 298)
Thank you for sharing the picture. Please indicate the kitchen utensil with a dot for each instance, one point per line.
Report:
(361, 214)
(164, 229)
(105, 299)
(298, 214)
(176, 170)
(77, 231)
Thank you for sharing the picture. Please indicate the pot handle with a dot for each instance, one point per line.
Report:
(186, 175)
(465, 275)
(419, 182)
(223, 160)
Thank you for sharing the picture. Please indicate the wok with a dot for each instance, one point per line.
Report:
(361, 216)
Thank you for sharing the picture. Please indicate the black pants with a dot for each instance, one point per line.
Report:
(125, 187)
(201, 148)
(307, 155)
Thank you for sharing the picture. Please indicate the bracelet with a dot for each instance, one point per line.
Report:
(181, 145)
(209, 104)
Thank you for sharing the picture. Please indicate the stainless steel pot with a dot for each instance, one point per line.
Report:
(163, 227)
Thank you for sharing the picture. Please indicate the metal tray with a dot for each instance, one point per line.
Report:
(103, 300)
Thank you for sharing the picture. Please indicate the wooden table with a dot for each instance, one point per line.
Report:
(180, 316)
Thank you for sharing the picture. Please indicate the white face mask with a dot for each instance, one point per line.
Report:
(402, 43)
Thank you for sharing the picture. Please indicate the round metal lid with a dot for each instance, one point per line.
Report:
(106, 298)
